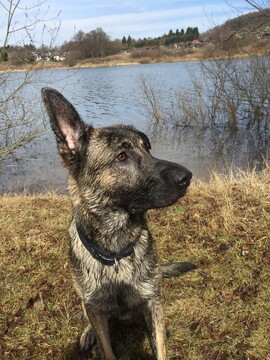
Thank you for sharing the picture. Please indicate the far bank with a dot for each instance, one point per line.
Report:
(151, 56)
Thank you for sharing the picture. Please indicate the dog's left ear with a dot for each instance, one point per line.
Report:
(66, 124)
(65, 120)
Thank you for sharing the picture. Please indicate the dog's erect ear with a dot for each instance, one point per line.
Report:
(66, 124)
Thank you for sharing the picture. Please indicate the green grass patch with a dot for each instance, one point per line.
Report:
(219, 311)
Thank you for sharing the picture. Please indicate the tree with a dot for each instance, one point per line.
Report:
(129, 41)
(79, 36)
(19, 120)
(4, 55)
(101, 41)
(95, 43)
(196, 33)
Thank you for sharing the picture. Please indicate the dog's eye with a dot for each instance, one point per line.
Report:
(122, 156)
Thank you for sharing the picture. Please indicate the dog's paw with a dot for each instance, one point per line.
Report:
(87, 340)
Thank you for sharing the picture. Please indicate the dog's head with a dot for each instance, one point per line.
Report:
(113, 163)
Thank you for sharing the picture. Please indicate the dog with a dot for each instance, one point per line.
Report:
(113, 181)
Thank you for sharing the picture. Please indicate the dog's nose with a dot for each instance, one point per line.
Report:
(182, 178)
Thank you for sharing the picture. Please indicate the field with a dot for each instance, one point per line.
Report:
(219, 311)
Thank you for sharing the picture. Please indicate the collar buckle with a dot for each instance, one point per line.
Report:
(116, 265)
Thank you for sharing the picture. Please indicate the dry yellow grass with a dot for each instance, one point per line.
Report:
(219, 311)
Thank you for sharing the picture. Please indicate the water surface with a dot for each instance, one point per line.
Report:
(113, 95)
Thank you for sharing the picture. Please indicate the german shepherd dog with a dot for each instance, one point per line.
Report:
(113, 181)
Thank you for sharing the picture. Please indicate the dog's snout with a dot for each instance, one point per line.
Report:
(175, 174)
(182, 178)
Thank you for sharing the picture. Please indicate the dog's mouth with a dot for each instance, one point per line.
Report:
(138, 209)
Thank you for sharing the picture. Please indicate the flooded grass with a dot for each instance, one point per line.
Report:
(219, 311)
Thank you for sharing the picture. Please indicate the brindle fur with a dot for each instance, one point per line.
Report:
(113, 181)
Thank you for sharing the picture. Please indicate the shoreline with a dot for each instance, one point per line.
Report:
(116, 60)
(104, 64)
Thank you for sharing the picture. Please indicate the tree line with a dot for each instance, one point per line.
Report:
(167, 39)
(95, 44)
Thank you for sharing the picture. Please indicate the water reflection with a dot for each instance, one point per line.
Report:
(204, 149)
(110, 96)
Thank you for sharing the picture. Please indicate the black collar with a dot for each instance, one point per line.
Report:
(103, 256)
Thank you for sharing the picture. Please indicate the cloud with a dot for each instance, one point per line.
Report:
(146, 23)
(138, 19)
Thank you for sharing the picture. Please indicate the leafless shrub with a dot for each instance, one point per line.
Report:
(20, 121)
(226, 92)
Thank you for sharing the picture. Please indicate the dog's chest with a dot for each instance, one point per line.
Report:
(127, 288)
(115, 293)
(111, 291)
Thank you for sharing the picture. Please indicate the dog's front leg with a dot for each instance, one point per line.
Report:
(100, 326)
(156, 328)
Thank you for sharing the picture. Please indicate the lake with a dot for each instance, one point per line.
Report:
(114, 95)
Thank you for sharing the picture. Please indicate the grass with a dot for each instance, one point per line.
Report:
(219, 311)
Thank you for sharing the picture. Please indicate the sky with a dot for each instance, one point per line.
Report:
(118, 18)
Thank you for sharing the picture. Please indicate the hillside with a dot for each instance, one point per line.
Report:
(252, 29)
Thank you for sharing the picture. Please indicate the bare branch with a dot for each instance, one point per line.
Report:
(19, 123)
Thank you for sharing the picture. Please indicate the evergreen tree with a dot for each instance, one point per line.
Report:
(189, 31)
(129, 41)
(4, 55)
(189, 34)
(196, 33)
